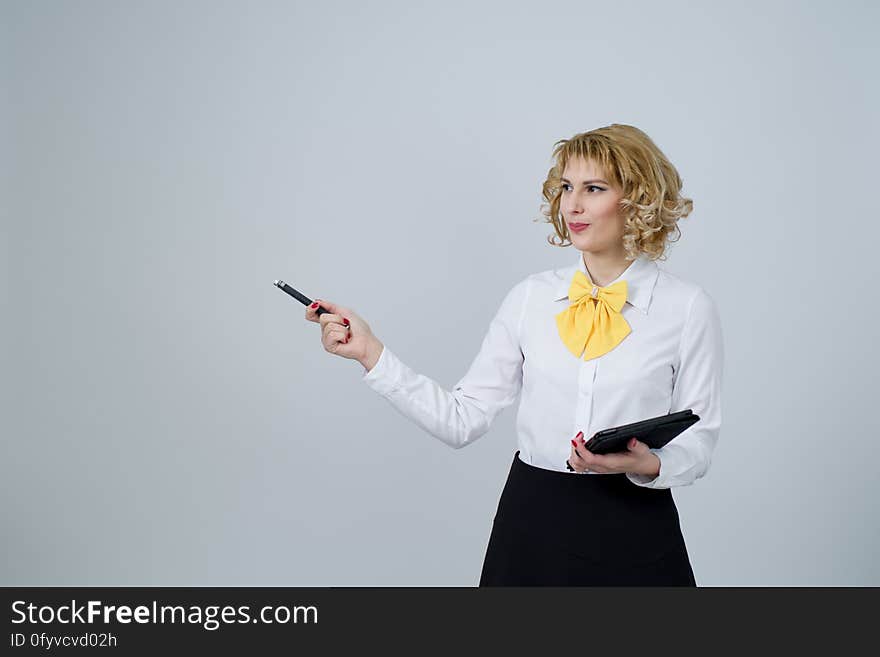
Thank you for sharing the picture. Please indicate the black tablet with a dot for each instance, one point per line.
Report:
(654, 432)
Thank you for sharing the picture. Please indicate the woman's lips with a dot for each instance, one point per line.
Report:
(578, 227)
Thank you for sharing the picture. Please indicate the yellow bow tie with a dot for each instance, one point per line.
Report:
(593, 321)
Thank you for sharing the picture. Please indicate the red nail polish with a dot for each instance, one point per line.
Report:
(345, 321)
(574, 443)
(314, 305)
(580, 433)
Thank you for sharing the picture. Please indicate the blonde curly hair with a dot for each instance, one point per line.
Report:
(652, 202)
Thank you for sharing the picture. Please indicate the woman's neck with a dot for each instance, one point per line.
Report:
(602, 270)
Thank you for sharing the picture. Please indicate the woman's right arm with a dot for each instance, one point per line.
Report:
(372, 355)
(492, 382)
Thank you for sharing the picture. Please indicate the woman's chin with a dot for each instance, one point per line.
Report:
(582, 239)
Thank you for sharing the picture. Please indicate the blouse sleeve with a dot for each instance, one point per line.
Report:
(493, 381)
(696, 385)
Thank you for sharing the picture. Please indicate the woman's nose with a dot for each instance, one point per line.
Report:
(574, 207)
(573, 204)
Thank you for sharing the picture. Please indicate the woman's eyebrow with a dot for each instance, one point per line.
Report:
(586, 182)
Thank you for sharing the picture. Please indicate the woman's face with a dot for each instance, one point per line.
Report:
(588, 198)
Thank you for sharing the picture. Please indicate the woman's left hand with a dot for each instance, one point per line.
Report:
(638, 459)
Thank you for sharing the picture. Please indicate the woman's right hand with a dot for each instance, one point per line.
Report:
(354, 340)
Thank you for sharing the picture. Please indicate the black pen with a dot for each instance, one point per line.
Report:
(299, 296)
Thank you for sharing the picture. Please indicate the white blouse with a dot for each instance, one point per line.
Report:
(671, 361)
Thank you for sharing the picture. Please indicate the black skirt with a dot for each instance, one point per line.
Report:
(559, 529)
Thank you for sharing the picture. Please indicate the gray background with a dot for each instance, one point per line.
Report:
(171, 419)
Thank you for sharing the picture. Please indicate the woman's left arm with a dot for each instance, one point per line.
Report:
(696, 385)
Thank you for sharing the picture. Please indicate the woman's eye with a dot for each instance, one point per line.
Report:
(565, 187)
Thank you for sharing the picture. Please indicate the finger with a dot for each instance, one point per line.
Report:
(333, 312)
(595, 462)
(329, 306)
(336, 332)
(334, 326)
(312, 311)
(636, 446)
(341, 336)
(333, 338)
(578, 443)
(319, 305)
(583, 443)
(333, 318)
(579, 465)
(575, 458)
(588, 456)
(330, 318)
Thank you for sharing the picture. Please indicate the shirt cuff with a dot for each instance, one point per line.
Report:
(384, 378)
(648, 481)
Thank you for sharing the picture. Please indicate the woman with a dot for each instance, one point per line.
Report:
(611, 340)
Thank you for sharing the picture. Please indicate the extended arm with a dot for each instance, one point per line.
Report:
(493, 381)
